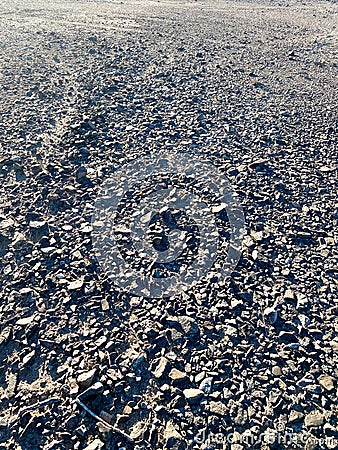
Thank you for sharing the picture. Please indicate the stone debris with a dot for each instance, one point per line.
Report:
(327, 382)
(97, 444)
(314, 419)
(88, 89)
(38, 229)
(161, 367)
(193, 395)
(85, 379)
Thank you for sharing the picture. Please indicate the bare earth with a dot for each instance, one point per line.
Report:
(252, 88)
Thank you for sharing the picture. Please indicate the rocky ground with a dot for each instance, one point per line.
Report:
(86, 87)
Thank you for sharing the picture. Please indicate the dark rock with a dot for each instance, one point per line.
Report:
(93, 391)
(38, 229)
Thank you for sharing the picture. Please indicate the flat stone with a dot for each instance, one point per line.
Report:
(25, 321)
(38, 229)
(327, 169)
(314, 419)
(85, 379)
(8, 223)
(176, 374)
(327, 382)
(94, 390)
(101, 341)
(106, 416)
(86, 229)
(192, 395)
(161, 368)
(105, 305)
(184, 323)
(97, 444)
(188, 325)
(75, 285)
(257, 235)
(199, 377)
(287, 337)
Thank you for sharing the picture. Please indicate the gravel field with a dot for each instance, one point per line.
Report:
(246, 363)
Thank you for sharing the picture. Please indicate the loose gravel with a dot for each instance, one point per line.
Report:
(87, 87)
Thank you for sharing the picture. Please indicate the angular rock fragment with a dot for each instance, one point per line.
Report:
(295, 417)
(97, 444)
(38, 229)
(161, 368)
(314, 419)
(193, 396)
(75, 285)
(93, 391)
(85, 379)
(327, 382)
